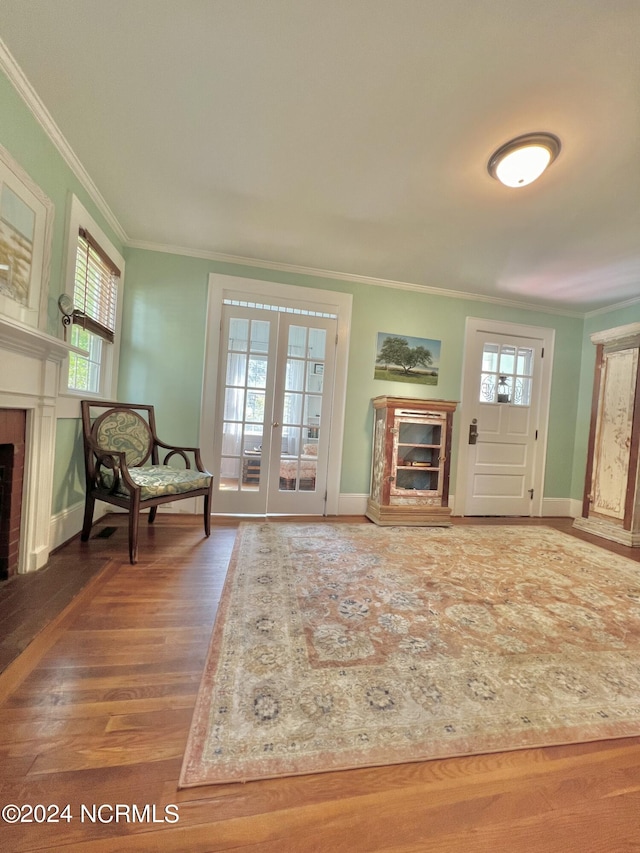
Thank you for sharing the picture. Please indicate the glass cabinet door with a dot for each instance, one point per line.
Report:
(417, 455)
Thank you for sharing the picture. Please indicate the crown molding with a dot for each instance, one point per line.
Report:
(29, 95)
(343, 276)
(626, 304)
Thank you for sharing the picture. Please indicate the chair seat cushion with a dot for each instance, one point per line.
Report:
(156, 481)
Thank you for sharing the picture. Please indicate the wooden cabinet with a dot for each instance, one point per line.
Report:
(411, 461)
(611, 504)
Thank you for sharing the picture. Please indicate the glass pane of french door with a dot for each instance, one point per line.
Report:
(245, 398)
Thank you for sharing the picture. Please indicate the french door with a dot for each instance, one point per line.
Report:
(273, 411)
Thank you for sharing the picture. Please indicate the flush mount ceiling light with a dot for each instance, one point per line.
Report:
(523, 159)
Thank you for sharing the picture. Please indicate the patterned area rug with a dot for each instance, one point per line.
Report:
(350, 645)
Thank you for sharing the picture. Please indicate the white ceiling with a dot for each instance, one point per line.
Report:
(353, 135)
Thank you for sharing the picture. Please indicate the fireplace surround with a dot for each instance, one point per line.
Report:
(30, 362)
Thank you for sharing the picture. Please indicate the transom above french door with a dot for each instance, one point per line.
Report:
(273, 412)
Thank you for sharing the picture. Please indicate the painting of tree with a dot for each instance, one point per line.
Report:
(404, 358)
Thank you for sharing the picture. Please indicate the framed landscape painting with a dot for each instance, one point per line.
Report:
(405, 358)
(26, 220)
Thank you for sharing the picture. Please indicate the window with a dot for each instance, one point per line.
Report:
(94, 283)
(507, 374)
(95, 295)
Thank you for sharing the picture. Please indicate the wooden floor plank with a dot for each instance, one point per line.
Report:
(96, 710)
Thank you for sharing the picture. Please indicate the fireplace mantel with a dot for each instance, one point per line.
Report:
(33, 343)
(30, 364)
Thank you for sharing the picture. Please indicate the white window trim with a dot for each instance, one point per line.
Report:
(69, 399)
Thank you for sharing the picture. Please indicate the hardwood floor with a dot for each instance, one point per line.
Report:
(96, 709)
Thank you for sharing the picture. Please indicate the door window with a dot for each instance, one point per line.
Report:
(507, 374)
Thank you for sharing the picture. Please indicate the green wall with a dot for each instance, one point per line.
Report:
(162, 353)
(68, 471)
(26, 140)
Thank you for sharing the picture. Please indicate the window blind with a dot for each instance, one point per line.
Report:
(95, 288)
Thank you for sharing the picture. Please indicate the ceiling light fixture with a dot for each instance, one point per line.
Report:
(522, 160)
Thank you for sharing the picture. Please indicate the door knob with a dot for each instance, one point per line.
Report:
(275, 424)
(473, 431)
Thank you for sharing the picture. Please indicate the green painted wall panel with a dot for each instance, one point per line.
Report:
(24, 138)
(163, 339)
(68, 472)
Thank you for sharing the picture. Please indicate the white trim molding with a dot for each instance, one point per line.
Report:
(335, 275)
(31, 362)
(352, 504)
(68, 523)
(560, 508)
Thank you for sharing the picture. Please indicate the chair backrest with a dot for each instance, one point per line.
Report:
(126, 432)
(121, 428)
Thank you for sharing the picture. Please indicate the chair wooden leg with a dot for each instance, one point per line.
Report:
(88, 517)
(134, 517)
(152, 514)
(207, 514)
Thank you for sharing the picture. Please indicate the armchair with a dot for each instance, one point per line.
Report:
(301, 471)
(119, 441)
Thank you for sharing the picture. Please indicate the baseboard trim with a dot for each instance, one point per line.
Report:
(551, 507)
(352, 504)
(68, 523)
(560, 507)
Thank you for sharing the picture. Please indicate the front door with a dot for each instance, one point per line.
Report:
(273, 411)
(503, 413)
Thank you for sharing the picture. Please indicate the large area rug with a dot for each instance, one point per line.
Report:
(349, 645)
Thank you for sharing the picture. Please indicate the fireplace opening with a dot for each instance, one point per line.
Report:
(12, 453)
(6, 476)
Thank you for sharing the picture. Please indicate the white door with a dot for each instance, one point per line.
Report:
(305, 369)
(503, 413)
(273, 411)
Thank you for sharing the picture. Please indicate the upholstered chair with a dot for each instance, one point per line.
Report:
(122, 466)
